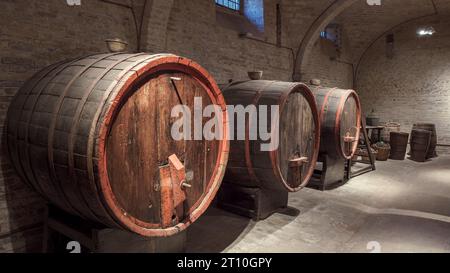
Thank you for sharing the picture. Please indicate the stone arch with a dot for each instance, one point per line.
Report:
(331, 12)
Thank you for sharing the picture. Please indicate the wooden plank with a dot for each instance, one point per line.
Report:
(132, 154)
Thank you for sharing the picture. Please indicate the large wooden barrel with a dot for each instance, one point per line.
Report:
(420, 144)
(289, 166)
(93, 136)
(433, 142)
(399, 144)
(340, 115)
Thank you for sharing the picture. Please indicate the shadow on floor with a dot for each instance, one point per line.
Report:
(218, 230)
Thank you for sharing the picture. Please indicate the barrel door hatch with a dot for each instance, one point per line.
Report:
(141, 145)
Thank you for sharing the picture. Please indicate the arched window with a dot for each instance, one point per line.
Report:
(231, 4)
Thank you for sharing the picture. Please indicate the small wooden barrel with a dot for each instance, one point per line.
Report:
(420, 144)
(340, 115)
(433, 143)
(289, 166)
(93, 136)
(399, 144)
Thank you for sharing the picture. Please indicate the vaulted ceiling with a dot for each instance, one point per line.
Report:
(379, 20)
(362, 23)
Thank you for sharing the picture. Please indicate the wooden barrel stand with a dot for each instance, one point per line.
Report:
(255, 203)
(331, 175)
(66, 233)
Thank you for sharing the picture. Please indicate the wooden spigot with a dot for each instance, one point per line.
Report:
(173, 184)
(298, 162)
(295, 169)
(348, 138)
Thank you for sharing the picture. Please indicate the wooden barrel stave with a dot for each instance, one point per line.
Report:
(36, 116)
(240, 168)
(59, 127)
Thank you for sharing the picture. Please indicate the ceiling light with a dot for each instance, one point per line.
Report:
(425, 31)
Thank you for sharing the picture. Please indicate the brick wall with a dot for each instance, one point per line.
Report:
(332, 72)
(301, 13)
(219, 49)
(414, 86)
(34, 34)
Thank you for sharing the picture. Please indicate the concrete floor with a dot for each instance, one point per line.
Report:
(404, 206)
